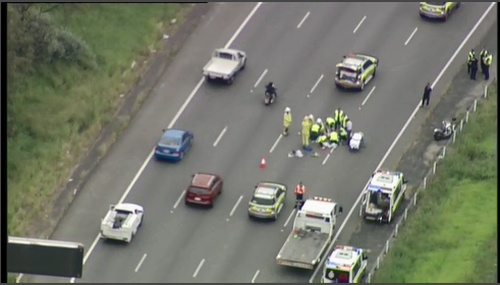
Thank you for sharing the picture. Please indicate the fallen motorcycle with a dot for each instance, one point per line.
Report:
(446, 131)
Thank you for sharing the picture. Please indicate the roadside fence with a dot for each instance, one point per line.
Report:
(413, 202)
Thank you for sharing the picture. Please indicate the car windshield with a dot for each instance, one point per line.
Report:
(198, 190)
(224, 55)
(436, 3)
(262, 201)
(170, 141)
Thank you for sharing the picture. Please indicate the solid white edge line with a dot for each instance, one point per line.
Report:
(220, 136)
(303, 20)
(140, 262)
(359, 24)
(172, 123)
(319, 267)
(368, 96)
(198, 268)
(411, 36)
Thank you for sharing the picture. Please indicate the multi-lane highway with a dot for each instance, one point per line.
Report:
(297, 46)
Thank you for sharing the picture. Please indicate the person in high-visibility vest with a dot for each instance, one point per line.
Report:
(338, 116)
(322, 140)
(482, 55)
(343, 135)
(305, 132)
(315, 130)
(487, 62)
(333, 140)
(330, 123)
(299, 192)
(470, 56)
(287, 121)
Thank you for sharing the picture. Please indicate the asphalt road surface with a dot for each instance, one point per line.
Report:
(183, 244)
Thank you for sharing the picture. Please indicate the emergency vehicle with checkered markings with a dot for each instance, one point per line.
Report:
(311, 234)
(346, 264)
(384, 194)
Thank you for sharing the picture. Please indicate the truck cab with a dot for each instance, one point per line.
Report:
(346, 264)
(383, 195)
(122, 222)
(317, 214)
(311, 234)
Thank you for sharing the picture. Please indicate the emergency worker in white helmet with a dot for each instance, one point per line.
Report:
(287, 120)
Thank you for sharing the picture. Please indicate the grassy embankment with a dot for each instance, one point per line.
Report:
(452, 236)
(60, 109)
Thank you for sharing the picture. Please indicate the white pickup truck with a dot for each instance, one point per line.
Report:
(122, 222)
(312, 232)
(224, 65)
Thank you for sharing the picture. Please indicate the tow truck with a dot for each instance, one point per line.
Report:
(122, 222)
(383, 195)
(311, 234)
(346, 264)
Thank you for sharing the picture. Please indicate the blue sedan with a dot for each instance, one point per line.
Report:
(173, 145)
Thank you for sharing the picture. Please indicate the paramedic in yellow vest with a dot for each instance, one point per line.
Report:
(321, 125)
(487, 63)
(338, 116)
(344, 121)
(315, 128)
(322, 141)
(333, 139)
(342, 134)
(330, 123)
(305, 132)
(287, 120)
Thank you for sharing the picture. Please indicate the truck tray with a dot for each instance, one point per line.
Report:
(302, 249)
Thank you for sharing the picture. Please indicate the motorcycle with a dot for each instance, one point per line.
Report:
(446, 131)
(269, 99)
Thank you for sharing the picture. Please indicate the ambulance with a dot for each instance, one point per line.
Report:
(346, 264)
(383, 196)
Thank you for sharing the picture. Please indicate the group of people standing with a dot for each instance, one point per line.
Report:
(485, 59)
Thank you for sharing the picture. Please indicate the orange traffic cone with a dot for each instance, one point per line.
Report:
(262, 163)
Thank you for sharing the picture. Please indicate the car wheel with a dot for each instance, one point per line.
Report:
(374, 72)
(362, 87)
(458, 5)
(131, 237)
(230, 80)
(244, 64)
(181, 156)
(142, 219)
(275, 216)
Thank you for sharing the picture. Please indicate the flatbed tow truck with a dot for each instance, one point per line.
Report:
(312, 232)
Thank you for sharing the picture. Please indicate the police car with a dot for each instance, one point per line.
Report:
(437, 10)
(355, 71)
(346, 264)
(267, 200)
(383, 195)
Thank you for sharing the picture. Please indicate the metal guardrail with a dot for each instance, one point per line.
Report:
(423, 185)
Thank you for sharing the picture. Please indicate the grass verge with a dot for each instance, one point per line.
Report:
(452, 235)
(61, 109)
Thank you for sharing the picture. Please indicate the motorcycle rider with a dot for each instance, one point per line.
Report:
(271, 90)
